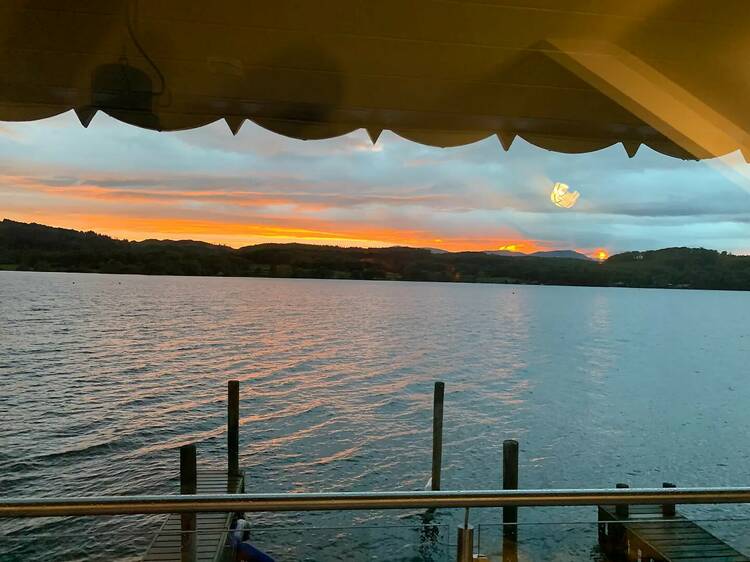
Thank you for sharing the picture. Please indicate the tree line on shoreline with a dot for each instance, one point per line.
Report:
(35, 247)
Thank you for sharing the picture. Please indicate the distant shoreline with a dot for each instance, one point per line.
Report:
(513, 284)
(34, 247)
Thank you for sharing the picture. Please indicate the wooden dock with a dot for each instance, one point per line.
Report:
(210, 527)
(627, 533)
(660, 534)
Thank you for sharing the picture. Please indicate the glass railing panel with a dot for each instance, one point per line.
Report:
(396, 543)
(546, 534)
(117, 546)
(568, 541)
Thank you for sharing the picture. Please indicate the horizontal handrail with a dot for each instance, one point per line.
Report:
(128, 505)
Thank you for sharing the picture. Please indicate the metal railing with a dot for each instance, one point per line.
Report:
(128, 505)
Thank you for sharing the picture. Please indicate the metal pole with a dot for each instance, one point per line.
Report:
(188, 485)
(256, 503)
(465, 548)
(510, 482)
(233, 427)
(437, 434)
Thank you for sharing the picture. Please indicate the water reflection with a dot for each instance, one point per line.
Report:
(104, 378)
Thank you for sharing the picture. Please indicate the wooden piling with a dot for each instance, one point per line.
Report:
(510, 549)
(622, 511)
(233, 427)
(668, 509)
(188, 485)
(437, 434)
(510, 482)
(617, 539)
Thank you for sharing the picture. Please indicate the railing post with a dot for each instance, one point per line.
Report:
(510, 482)
(188, 485)
(437, 434)
(668, 509)
(233, 428)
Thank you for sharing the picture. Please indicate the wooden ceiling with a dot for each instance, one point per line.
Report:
(566, 75)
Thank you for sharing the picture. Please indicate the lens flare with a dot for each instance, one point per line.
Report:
(562, 196)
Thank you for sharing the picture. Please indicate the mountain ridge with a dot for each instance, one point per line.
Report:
(567, 254)
(36, 247)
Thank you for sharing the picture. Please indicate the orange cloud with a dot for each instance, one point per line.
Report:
(157, 196)
(239, 198)
(238, 217)
(266, 196)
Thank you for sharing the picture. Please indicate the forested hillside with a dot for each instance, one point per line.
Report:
(34, 247)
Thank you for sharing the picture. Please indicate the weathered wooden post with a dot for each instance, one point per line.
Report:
(622, 510)
(510, 550)
(510, 482)
(617, 539)
(188, 485)
(233, 429)
(437, 434)
(668, 509)
(601, 528)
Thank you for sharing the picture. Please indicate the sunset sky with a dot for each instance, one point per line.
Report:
(205, 184)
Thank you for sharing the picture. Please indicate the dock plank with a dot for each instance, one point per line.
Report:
(211, 527)
(662, 538)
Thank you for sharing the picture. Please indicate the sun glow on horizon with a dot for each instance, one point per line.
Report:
(239, 234)
(524, 247)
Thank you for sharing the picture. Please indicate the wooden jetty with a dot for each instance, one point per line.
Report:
(210, 528)
(202, 537)
(636, 533)
(657, 533)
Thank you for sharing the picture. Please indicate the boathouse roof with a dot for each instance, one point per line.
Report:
(569, 76)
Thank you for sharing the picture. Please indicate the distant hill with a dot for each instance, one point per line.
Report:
(570, 254)
(35, 247)
(436, 250)
(506, 253)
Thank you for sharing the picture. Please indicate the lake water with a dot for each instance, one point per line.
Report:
(104, 377)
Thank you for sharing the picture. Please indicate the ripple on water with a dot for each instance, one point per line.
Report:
(104, 379)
